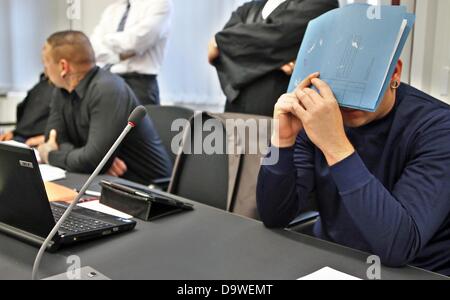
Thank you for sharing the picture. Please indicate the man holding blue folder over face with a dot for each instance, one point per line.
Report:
(380, 174)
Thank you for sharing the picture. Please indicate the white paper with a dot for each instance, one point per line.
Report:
(24, 146)
(16, 144)
(97, 206)
(328, 274)
(50, 173)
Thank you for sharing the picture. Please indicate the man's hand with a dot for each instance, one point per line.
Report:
(51, 145)
(286, 116)
(127, 55)
(6, 137)
(288, 69)
(323, 123)
(118, 168)
(35, 141)
(213, 51)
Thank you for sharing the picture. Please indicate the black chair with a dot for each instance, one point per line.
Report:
(206, 178)
(200, 176)
(163, 117)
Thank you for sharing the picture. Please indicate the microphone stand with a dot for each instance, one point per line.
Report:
(97, 171)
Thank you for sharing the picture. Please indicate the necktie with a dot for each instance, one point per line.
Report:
(123, 22)
(121, 28)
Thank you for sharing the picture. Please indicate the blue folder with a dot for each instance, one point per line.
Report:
(355, 48)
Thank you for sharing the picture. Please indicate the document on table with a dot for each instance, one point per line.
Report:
(24, 146)
(97, 206)
(328, 274)
(355, 48)
(50, 173)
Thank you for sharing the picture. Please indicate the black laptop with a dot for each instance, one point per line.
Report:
(25, 211)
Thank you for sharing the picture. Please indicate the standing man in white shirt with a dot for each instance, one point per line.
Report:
(131, 40)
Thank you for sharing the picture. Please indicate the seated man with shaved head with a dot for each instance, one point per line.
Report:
(89, 110)
(381, 179)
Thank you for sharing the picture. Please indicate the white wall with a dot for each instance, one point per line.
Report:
(431, 55)
(186, 76)
(440, 82)
(5, 46)
(24, 26)
(31, 23)
(408, 50)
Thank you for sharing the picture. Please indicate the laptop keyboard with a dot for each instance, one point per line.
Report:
(78, 224)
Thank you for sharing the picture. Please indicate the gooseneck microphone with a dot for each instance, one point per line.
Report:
(135, 118)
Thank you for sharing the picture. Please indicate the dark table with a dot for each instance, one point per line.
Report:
(205, 244)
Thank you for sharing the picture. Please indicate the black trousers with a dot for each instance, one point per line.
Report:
(260, 96)
(145, 87)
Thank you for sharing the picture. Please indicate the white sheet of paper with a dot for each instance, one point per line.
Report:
(50, 173)
(328, 273)
(24, 146)
(97, 206)
(16, 144)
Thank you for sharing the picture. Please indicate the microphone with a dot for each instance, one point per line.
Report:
(135, 118)
(137, 115)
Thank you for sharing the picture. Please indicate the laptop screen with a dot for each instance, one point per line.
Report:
(23, 201)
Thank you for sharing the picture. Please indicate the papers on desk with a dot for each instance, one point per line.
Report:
(50, 173)
(355, 48)
(16, 144)
(97, 206)
(23, 146)
(328, 274)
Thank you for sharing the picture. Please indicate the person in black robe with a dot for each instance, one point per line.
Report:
(32, 115)
(255, 54)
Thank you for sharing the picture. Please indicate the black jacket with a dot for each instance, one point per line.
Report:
(251, 47)
(88, 122)
(33, 112)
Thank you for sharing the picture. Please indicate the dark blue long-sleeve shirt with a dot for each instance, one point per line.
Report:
(391, 198)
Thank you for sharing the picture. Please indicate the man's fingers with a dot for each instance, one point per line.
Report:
(285, 104)
(324, 89)
(118, 168)
(300, 111)
(6, 136)
(307, 82)
(290, 104)
(313, 95)
(35, 141)
(112, 173)
(286, 69)
(121, 165)
(213, 51)
(53, 135)
(305, 99)
(213, 42)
